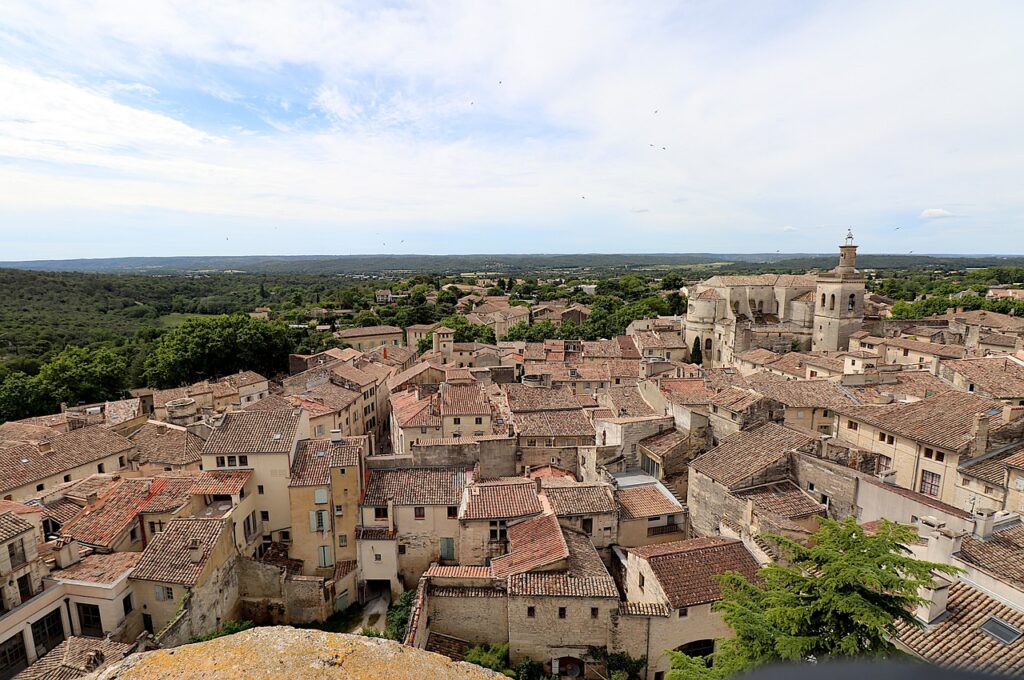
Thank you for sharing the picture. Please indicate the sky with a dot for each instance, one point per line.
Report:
(307, 127)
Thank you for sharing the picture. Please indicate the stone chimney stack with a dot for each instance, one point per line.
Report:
(979, 434)
(942, 545)
(195, 551)
(935, 596)
(66, 552)
(335, 436)
(984, 524)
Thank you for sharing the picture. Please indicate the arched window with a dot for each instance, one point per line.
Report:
(852, 304)
(698, 648)
(832, 301)
(707, 345)
(823, 301)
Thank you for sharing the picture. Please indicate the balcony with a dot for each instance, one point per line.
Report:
(665, 529)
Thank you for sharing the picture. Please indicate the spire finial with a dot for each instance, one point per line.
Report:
(849, 237)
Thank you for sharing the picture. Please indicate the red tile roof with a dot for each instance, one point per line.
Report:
(167, 559)
(25, 463)
(220, 482)
(315, 458)
(649, 500)
(534, 543)
(99, 567)
(414, 486)
(252, 432)
(687, 570)
(502, 499)
(744, 454)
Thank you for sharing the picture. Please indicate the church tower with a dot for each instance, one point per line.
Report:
(839, 302)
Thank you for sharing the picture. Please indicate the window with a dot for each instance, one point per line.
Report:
(498, 530)
(930, 483)
(593, 612)
(232, 461)
(16, 551)
(133, 533)
(324, 554)
(419, 512)
(320, 496)
(1000, 630)
(457, 421)
(401, 548)
(588, 525)
(890, 440)
(641, 581)
(851, 304)
(339, 510)
(265, 515)
(220, 461)
(881, 436)
(561, 612)
(683, 612)
(928, 453)
(447, 548)
(380, 513)
(318, 520)
(531, 612)
(101, 468)
(851, 424)
(453, 512)
(700, 648)
(531, 442)
(259, 489)
(67, 478)
(40, 487)
(342, 540)
(906, 352)
(970, 387)
(810, 486)
(478, 420)
(989, 490)
(286, 537)
(164, 593)
(127, 605)
(377, 557)
(13, 656)
(243, 461)
(940, 457)
(884, 463)
(831, 302)
(120, 461)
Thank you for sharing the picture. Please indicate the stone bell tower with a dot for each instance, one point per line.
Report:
(839, 301)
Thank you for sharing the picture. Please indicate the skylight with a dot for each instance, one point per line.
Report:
(1001, 630)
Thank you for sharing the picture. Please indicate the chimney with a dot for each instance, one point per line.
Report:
(979, 435)
(1012, 413)
(195, 551)
(66, 552)
(536, 483)
(934, 597)
(984, 523)
(335, 436)
(943, 544)
(93, 659)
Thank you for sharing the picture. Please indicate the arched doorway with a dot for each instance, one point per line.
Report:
(567, 667)
(699, 649)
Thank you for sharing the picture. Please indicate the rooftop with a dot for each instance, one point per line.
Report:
(743, 454)
(580, 499)
(649, 500)
(314, 459)
(99, 568)
(25, 463)
(687, 570)
(1001, 377)
(414, 486)
(584, 576)
(254, 432)
(501, 499)
(553, 424)
(367, 331)
(784, 499)
(165, 444)
(167, 558)
(220, 482)
(534, 543)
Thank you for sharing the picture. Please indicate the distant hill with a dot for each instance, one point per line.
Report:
(355, 265)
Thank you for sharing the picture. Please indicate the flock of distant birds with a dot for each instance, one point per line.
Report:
(653, 146)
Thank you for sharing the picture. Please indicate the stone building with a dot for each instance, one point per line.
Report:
(487, 509)
(669, 589)
(729, 315)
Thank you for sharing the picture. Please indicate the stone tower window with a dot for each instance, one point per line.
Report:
(852, 304)
(832, 302)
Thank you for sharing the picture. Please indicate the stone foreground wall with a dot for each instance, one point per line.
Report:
(283, 652)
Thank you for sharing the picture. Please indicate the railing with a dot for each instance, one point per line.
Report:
(665, 529)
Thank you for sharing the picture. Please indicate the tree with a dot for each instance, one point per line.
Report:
(696, 356)
(676, 303)
(842, 597)
(672, 281)
(78, 375)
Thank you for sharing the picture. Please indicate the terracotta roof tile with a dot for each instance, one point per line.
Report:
(167, 558)
(501, 499)
(744, 454)
(581, 499)
(73, 658)
(957, 640)
(534, 543)
(649, 500)
(999, 376)
(315, 458)
(524, 398)
(687, 570)
(458, 571)
(585, 575)
(254, 432)
(1001, 555)
(220, 482)
(414, 486)
(553, 424)
(165, 444)
(11, 526)
(784, 499)
(24, 464)
(99, 567)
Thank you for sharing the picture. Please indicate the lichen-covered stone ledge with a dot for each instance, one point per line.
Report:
(284, 652)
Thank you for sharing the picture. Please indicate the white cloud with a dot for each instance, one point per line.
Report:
(759, 126)
(935, 214)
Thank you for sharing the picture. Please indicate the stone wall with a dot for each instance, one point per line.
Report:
(830, 480)
(464, 614)
(545, 635)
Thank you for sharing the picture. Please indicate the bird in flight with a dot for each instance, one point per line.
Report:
(896, 229)
(655, 110)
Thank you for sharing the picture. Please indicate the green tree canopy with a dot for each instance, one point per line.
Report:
(842, 597)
